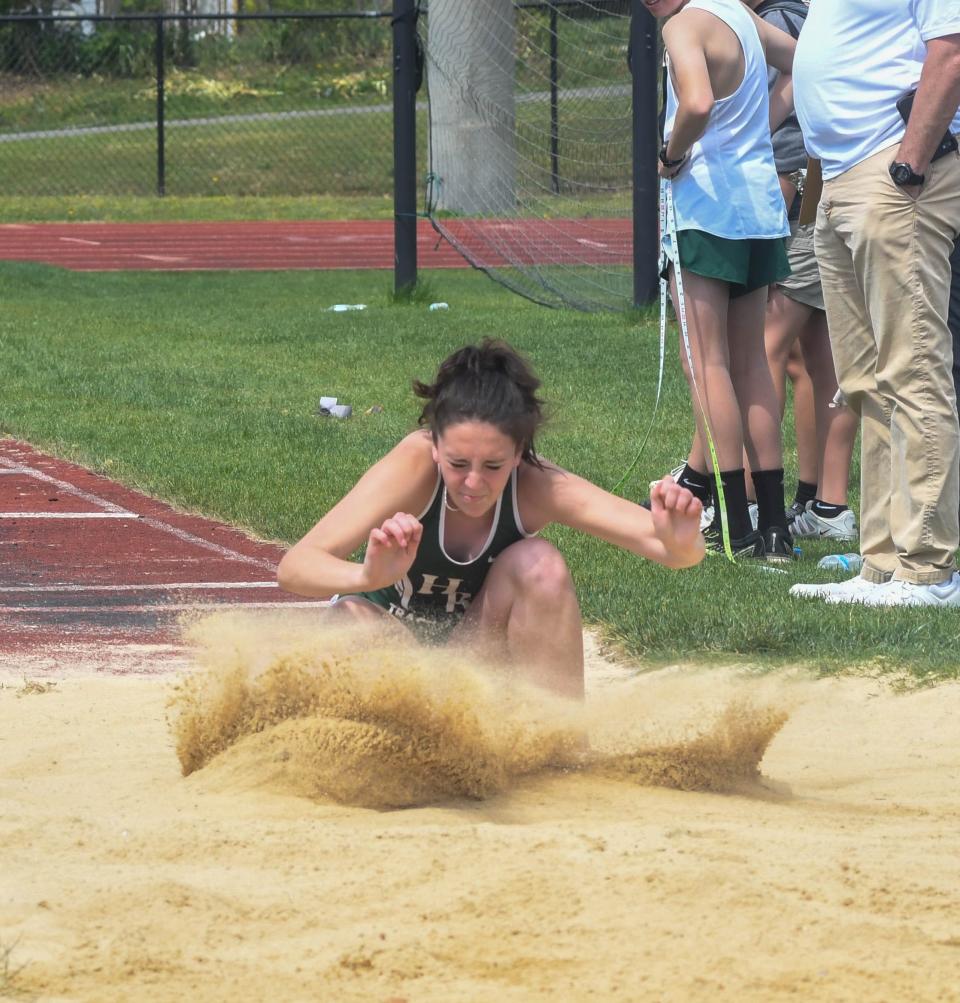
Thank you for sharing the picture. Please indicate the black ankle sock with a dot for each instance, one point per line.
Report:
(696, 483)
(735, 496)
(806, 492)
(825, 510)
(769, 486)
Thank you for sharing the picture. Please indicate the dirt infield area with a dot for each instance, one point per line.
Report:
(211, 791)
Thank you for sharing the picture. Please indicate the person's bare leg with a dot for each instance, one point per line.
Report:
(750, 376)
(836, 426)
(373, 621)
(713, 395)
(527, 614)
(783, 322)
(805, 417)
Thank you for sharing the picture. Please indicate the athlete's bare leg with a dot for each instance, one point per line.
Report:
(369, 616)
(527, 615)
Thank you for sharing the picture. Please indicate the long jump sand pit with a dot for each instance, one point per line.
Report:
(362, 821)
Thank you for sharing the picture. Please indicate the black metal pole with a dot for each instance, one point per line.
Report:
(161, 163)
(404, 144)
(646, 184)
(554, 105)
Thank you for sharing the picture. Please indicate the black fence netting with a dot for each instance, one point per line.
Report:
(191, 105)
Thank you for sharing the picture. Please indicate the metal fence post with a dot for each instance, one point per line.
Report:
(161, 161)
(404, 144)
(554, 104)
(643, 48)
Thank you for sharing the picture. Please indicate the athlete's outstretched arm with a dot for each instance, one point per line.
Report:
(669, 533)
(376, 510)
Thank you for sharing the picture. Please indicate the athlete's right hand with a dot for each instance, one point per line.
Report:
(391, 549)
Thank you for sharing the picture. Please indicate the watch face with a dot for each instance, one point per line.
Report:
(901, 173)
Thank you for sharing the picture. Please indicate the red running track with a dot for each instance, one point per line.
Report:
(311, 245)
(89, 566)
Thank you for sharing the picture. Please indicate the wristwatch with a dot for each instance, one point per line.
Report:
(665, 160)
(904, 176)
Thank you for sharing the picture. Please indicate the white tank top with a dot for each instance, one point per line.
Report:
(730, 186)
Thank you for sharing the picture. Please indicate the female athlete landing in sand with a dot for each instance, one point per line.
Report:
(468, 561)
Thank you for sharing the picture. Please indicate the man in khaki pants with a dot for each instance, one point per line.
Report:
(886, 225)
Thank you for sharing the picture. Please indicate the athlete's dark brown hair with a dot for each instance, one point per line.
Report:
(489, 382)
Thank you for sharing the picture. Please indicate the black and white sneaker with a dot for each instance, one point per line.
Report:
(750, 546)
(796, 509)
(778, 545)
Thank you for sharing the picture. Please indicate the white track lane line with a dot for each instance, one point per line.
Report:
(162, 607)
(180, 534)
(150, 587)
(68, 515)
(65, 486)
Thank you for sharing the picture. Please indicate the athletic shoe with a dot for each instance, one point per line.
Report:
(851, 590)
(900, 593)
(810, 525)
(777, 545)
(797, 508)
(750, 546)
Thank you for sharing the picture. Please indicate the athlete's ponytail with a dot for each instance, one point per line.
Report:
(489, 383)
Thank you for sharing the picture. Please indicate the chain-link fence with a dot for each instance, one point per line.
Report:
(188, 105)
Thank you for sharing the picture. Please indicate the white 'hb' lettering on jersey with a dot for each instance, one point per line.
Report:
(454, 598)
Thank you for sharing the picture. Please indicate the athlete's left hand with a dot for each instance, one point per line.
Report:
(676, 517)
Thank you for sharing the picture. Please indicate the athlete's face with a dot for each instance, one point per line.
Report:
(475, 460)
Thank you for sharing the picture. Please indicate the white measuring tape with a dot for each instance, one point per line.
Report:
(668, 224)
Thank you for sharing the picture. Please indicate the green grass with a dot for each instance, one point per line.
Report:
(201, 388)
(150, 208)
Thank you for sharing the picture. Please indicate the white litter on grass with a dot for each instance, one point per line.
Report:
(329, 408)
(439, 306)
(344, 307)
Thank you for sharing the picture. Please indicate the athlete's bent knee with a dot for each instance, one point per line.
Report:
(540, 567)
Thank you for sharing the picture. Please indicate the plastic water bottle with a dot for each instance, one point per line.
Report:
(843, 562)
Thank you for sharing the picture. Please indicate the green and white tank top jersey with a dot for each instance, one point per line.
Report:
(437, 586)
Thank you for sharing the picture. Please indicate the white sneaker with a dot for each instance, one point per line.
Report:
(900, 593)
(851, 590)
(841, 527)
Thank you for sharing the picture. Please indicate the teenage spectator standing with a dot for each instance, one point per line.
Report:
(795, 320)
(731, 224)
(795, 315)
(887, 222)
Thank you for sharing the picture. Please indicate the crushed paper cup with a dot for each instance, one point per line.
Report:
(439, 306)
(343, 307)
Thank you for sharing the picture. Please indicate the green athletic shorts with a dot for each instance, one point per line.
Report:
(744, 264)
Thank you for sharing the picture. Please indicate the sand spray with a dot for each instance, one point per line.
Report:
(301, 702)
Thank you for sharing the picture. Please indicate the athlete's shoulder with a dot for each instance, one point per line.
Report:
(537, 488)
(417, 444)
(410, 463)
